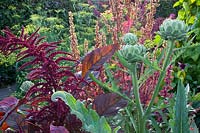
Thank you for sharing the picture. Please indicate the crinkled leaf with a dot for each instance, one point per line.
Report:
(108, 104)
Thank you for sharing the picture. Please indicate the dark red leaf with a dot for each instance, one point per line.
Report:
(108, 104)
(8, 106)
(33, 41)
(15, 120)
(66, 73)
(49, 49)
(95, 59)
(58, 129)
(7, 103)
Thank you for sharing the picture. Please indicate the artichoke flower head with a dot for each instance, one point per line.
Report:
(132, 49)
(130, 39)
(173, 29)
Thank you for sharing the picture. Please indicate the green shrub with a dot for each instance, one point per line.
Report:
(165, 8)
(7, 69)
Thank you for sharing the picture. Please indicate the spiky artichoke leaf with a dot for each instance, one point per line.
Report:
(181, 111)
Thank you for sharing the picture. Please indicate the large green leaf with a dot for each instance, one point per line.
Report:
(90, 119)
(181, 111)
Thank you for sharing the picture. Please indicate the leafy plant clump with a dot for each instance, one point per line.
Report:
(91, 121)
(49, 75)
(131, 57)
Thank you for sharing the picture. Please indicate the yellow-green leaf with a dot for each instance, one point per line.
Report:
(192, 1)
(176, 4)
(198, 3)
(181, 14)
(191, 20)
(186, 6)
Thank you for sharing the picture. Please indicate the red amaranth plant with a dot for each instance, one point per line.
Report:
(49, 75)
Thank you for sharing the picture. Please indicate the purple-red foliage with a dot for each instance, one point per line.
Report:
(157, 23)
(165, 92)
(44, 66)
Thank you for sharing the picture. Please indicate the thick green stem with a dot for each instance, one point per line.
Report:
(166, 62)
(141, 123)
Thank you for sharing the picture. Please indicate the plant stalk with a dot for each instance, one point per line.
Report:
(166, 62)
(141, 123)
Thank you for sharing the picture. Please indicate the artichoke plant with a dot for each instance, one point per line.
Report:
(130, 39)
(132, 53)
(173, 29)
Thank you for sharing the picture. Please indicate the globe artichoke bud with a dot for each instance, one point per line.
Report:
(130, 39)
(172, 29)
(130, 52)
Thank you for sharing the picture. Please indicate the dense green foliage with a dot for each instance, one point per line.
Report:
(53, 20)
(165, 8)
(189, 12)
(16, 13)
(7, 69)
(84, 20)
